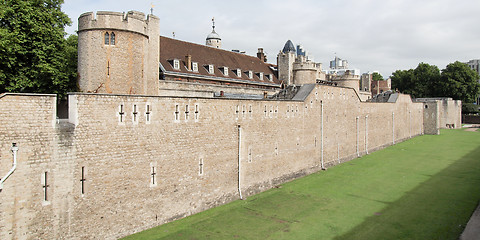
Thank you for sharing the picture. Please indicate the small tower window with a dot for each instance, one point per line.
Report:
(112, 39)
(107, 38)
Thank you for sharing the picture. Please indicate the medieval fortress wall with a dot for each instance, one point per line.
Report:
(123, 163)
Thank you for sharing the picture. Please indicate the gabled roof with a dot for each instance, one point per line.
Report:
(171, 49)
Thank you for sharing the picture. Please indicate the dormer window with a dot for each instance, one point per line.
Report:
(239, 72)
(250, 74)
(260, 76)
(176, 64)
(195, 66)
(225, 71)
(270, 77)
(210, 68)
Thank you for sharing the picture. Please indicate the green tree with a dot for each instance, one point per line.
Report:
(34, 54)
(377, 77)
(419, 82)
(458, 81)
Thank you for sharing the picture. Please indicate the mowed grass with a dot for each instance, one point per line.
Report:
(424, 188)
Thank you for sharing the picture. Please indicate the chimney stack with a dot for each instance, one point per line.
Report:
(261, 55)
(188, 62)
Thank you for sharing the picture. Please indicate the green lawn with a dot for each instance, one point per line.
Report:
(424, 188)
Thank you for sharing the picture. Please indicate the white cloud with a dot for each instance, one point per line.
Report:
(371, 34)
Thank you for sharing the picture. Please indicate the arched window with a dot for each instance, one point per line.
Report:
(112, 39)
(107, 38)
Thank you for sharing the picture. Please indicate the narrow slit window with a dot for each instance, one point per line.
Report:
(250, 154)
(121, 113)
(186, 112)
(200, 167)
(177, 112)
(112, 39)
(153, 174)
(148, 112)
(107, 38)
(45, 186)
(197, 111)
(135, 113)
(82, 180)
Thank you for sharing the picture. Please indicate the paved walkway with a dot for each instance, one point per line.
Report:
(472, 230)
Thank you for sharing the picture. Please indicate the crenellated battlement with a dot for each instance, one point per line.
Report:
(132, 21)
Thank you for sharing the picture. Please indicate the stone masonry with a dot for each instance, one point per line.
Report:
(121, 163)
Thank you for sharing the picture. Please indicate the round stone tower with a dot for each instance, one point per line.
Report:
(213, 39)
(118, 53)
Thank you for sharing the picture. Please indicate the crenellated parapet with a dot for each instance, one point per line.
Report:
(132, 21)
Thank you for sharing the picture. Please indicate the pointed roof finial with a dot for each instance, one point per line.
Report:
(213, 23)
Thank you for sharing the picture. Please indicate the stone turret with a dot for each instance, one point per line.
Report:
(306, 71)
(349, 79)
(213, 39)
(118, 53)
(285, 60)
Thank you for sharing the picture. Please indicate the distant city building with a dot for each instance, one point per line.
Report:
(301, 51)
(339, 66)
(475, 65)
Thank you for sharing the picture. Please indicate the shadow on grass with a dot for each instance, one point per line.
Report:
(437, 209)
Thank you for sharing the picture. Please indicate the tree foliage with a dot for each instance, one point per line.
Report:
(377, 77)
(34, 54)
(457, 81)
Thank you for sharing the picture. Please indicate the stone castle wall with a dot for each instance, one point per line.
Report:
(147, 160)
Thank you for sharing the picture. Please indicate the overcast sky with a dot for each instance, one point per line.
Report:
(383, 35)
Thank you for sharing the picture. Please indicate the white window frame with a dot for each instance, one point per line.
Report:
(239, 72)
(250, 74)
(176, 64)
(211, 69)
(225, 71)
(195, 66)
(260, 76)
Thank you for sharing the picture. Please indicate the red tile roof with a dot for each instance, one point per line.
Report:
(171, 49)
